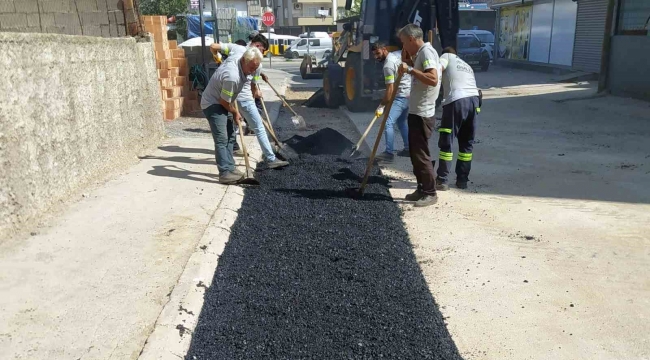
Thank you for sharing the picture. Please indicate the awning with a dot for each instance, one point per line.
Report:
(495, 4)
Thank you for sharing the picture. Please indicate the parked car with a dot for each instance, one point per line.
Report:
(316, 45)
(485, 37)
(471, 51)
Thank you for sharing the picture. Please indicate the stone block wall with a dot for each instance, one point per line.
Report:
(73, 109)
(105, 18)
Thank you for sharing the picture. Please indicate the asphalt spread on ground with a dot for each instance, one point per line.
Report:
(309, 272)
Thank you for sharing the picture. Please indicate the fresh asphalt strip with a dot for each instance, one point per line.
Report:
(309, 273)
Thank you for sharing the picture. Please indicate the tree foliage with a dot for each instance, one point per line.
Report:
(167, 8)
(355, 9)
(163, 7)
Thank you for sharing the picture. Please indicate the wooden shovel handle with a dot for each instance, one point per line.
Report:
(378, 140)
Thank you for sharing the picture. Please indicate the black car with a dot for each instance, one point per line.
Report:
(471, 51)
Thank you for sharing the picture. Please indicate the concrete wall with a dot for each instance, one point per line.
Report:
(629, 67)
(73, 17)
(72, 110)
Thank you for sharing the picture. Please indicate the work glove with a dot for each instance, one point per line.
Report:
(380, 111)
(217, 58)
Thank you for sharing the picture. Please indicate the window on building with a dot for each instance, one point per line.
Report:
(314, 11)
(310, 11)
(634, 17)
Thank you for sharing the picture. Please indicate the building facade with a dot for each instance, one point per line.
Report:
(628, 70)
(565, 34)
(318, 15)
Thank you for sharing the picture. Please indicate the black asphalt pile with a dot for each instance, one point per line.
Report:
(326, 141)
(317, 100)
(309, 273)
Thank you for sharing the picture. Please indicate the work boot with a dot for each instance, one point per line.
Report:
(404, 153)
(277, 163)
(426, 200)
(441, 186)
(385, 157)
(415, 196)
(461, 184)
(237, 172)
(230, 177)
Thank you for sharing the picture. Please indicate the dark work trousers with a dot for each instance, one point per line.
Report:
(458, 122)
(223, 134)
(420, 130)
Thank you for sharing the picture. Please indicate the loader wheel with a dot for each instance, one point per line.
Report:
(303, 66)
(354, 83)
(333, 94)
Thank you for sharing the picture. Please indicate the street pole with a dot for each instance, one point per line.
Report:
(215, 28)
(202, 32)
(607, 47)
(270, 54)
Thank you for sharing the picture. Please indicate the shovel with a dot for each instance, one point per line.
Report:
(247, 180)
(357, 193)
(297, 120)
(281, 148)
(356, 147)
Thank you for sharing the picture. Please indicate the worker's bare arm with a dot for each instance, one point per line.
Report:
(389, 93)
(231, 109)
(428, 77)
(215, 48)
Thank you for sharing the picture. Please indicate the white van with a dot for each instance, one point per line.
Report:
(315, 34)
(316, 45)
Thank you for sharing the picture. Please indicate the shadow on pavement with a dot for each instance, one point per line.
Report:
(319, 276)
(179, 159)
(173, 148)
(198, 131)
(176, 172)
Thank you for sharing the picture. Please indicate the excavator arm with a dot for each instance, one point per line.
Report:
(361, 76)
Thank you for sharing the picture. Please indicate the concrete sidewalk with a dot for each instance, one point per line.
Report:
(97, 281)
(546, 255)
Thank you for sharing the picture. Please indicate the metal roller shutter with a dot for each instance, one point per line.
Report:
(590, 31)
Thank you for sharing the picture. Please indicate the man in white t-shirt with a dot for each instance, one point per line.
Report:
(460, 107)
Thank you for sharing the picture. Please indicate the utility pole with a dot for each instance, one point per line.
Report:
(607, 45)
(202, 32)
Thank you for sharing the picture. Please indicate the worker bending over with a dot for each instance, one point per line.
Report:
(217, 101)
(250, 92)
(400, 107)
(460, 108)
(423, 66)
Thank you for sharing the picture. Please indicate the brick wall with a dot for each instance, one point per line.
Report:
(104, 18)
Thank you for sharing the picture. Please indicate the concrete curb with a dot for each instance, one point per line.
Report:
(172, 333)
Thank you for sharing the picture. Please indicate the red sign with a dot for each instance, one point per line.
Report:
(268, 18)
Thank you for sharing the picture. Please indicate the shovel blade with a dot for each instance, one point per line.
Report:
(299, 122)
(248, 181)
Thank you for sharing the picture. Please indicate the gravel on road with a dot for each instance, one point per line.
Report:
(311, 273)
